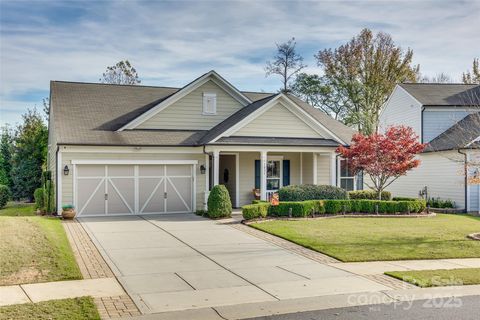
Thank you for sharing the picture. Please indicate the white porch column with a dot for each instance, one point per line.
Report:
(301, 167)
(333, 169)
(315, 166)
(263, 175)
(216, 166)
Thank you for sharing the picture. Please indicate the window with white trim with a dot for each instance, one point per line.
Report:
(274, 175)
(209, 103)
(347, 178)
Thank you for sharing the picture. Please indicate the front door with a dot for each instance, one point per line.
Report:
(227, 175)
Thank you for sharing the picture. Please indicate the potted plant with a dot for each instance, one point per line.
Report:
(68, 211)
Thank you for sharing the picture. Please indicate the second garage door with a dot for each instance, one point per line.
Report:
(133, 189)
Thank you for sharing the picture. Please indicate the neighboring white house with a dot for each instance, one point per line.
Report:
(447, 118)
(120, 149)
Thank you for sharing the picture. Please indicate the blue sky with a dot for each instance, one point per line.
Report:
(171, 43)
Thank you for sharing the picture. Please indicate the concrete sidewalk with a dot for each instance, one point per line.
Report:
(399, 298)
(36, 292)
(379, 267)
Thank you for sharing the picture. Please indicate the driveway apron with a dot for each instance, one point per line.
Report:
(182, 261)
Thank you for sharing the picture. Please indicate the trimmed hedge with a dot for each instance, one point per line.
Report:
(311, 192)
(299, 209)
(369, 206)
(253, 211)
(219, 203)
(39, 195)
(369, 195)
(4, 195)
(404, 199)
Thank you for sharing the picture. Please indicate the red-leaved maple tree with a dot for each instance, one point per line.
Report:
(383, 157)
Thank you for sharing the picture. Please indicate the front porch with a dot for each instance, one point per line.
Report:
(242, 170)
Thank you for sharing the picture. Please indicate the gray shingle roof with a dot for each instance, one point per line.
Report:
(272, 141)
(458, 136)
(90, 114)
(444, 94)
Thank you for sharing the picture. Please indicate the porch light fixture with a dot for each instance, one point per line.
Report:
(66, 170)
(203, 169)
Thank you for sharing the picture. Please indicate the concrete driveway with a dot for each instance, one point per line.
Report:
(179, 262)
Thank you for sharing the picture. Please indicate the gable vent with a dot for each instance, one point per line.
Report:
(209, 103)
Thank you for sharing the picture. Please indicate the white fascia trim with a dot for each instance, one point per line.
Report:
(269, 105)
(134, 150)
(134, 162)
(183, 92)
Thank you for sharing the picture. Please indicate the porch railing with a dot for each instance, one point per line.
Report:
(270, 194)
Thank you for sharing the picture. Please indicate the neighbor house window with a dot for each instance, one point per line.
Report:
(209, 103)
(347, 178)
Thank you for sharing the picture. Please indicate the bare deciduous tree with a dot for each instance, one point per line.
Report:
(472, 77)
(287, 63)
(438, 78)
(121, 73)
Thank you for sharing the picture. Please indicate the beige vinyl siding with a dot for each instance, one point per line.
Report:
(67, 157)
(278, 121)
(247, 173)
(186, 113)
(441, 172)
(307, 168)
(401, 109)
(323, 169)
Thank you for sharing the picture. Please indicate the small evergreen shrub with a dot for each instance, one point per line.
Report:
(201, 213)
(219, 203)
(439, 203)
(259, 201)
(311, 192)
(369, 194)
(39, 195)
(254, 211)
(4, 195)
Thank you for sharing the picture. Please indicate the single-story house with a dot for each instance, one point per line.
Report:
(132, 149)
(446, 117)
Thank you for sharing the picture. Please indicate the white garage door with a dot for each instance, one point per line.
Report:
(133, 189)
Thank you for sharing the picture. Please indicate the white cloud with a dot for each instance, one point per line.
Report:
(170, 43)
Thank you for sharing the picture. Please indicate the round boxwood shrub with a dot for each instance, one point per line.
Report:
(219, 204)
(4, 195)
(311, 192)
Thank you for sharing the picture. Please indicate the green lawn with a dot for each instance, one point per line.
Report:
(14, 209)
(439, 278)
(72, 309)
(373, 239)
(33, 248)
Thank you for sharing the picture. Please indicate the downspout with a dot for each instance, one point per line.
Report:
(421, 124)
(465, 172)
